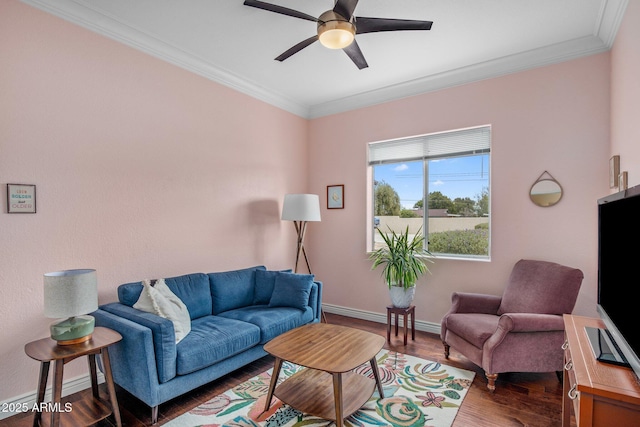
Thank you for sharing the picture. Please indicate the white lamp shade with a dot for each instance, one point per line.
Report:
(301, 207)
(70, 293)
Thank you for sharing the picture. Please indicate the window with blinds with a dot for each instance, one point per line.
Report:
(436, 184)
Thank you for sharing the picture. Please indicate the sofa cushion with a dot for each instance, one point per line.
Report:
(272, 321)
(213, 339)
(291, 290)
(475, 328)
(192, 289)
(265, 280)
(232, 289)
(157, 298)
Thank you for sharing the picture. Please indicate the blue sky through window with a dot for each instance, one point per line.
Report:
(454, 177)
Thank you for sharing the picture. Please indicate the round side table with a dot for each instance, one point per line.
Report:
(47, 350)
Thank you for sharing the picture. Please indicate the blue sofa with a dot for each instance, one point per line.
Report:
(233, 314)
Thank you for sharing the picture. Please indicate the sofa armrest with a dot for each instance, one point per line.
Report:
(464, 302)
(315, 300)
(162, 333)
(530, 322)
(133, 360)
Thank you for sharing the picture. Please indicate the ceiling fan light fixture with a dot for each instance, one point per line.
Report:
(335, 32)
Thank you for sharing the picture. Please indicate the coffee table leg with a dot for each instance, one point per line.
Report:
(376, 375)
(274, 380)
(337, 396)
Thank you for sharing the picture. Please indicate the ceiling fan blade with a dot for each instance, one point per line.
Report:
(353, 51)
(297, 48)
(373, 25)
(279, 9)
(345, 8)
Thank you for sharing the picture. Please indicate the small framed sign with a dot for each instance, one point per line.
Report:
(335, 196)
(21, 198)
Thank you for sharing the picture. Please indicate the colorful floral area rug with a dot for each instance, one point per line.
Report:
(417, 393)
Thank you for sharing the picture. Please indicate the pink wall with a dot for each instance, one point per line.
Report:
(146, 170)
(142, 170)
(553, 119)
(625, 94)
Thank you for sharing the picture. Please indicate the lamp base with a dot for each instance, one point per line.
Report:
(73, 330)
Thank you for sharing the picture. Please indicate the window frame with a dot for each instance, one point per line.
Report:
(481, 149)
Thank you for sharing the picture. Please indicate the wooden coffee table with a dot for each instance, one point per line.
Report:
(327, 389)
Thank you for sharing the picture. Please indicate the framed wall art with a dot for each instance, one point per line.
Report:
(21, 198)
(623, 181)
(614, 171)
(335, 196)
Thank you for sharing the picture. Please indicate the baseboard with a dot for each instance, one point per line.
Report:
(27, 401)
(421, 325)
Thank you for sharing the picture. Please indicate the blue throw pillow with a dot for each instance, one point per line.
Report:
(232, 289)
(265, 280)
(291, 290)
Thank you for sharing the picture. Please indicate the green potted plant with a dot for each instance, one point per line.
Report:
(404, 261)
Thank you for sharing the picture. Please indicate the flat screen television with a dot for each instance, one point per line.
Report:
(618, 279)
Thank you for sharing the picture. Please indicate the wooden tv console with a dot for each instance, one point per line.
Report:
(602, 394)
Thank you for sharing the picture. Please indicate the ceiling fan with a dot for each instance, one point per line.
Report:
(337, 28)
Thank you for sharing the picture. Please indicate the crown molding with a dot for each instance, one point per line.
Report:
(486, 70)
(607, 24)
(609, 20)
(110, 27)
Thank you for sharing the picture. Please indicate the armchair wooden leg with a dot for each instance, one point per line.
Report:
(446, 350)
(491, 381)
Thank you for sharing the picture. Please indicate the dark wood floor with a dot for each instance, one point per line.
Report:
(520, 399)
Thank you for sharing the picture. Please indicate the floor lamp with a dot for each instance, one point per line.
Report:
(301, 208)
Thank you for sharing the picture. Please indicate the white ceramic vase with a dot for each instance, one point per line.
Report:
(400, 297)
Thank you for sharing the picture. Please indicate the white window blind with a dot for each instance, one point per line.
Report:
(432, 146)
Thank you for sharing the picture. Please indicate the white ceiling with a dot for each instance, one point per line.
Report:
(235, 45)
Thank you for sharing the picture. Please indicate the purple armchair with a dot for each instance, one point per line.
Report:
(521, 331)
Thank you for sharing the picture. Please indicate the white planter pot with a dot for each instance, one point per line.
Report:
(400, 297)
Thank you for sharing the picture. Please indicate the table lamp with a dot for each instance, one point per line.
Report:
(301, 208)
(71, 294)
